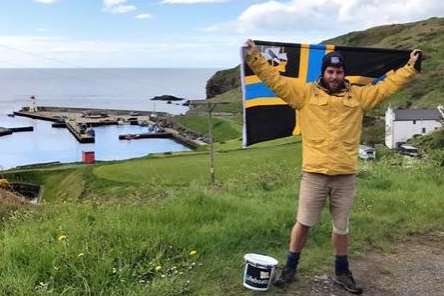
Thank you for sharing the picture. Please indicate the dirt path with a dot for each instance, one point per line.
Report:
(414, 268)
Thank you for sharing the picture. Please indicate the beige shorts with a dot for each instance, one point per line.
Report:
(313, 192)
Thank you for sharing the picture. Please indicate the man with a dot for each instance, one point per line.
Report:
(330, 113)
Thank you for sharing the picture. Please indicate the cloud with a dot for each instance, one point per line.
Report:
(143, 16)
(46, 1)
(61, 52)
(123, 9)
(118, 6)
(193, 1)
(112, 3)
(327, 17)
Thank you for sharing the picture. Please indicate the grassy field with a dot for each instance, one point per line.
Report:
(224, 128)
(153, 226)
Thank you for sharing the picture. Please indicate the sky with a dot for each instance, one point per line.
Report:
(179, 33)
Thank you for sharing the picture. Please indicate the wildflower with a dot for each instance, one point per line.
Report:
(114, 270)
(193, 252)
(62, 237)
(158, 268)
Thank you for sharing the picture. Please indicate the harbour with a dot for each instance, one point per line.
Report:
(56, 135)
(80, 122)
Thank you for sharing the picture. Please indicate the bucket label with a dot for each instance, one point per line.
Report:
(257, 277)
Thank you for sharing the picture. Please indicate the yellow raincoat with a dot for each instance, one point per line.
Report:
(331, 124)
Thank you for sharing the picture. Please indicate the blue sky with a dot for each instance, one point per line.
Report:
(179, 33)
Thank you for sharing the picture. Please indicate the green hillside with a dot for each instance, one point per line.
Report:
(222, 81)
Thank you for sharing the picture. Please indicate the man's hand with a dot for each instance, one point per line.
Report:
(414, 55)
(251, 47)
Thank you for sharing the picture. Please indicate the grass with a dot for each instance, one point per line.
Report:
(233, 97)
(433, 140)
(131, 229)
(223, 128)
(9, 203)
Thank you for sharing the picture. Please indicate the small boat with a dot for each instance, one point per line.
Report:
(91, 132)
(128, 137)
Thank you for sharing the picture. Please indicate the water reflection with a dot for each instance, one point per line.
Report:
(47, 144)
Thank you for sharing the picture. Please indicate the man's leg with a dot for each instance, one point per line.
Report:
(341, 201)
(340, 244)
(312, 195)
(298, 237)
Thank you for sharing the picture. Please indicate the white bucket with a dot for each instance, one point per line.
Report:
(259, 271)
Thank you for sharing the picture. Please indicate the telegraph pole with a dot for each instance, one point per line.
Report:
(210, 108)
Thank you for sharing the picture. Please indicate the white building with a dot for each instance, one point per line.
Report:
(33, 104)
(403, 124)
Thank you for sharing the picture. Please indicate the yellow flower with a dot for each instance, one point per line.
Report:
(81, 254)
(158, 268)
(62, 237)
(193, 252)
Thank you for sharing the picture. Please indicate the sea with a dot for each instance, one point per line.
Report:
(129, 89)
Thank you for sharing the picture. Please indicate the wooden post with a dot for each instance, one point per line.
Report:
(210, 107)
(210, 136)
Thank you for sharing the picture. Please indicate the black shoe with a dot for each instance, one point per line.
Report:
(287, 276)
(347, 281)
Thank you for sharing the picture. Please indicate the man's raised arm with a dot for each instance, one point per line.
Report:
(372, 95)
(291, 90)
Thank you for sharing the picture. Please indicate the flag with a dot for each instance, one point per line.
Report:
(267, 117)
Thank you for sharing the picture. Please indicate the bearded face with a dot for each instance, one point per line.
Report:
(333, 78)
